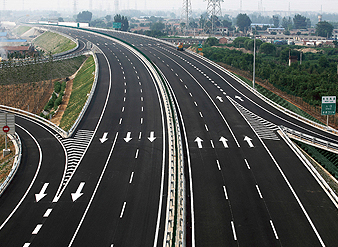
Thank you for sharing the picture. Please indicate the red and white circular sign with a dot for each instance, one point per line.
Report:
(5, 129)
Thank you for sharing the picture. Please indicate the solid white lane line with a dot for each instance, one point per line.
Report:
(259, 192)
(123, 208)
(47, 213)
(218, 165)
(273, 228)
(201, 114)
(212, 144)
(247, 164)
(206, 127)
(131, 177)
(33, 180)
(139, 136)
(37, 229)
(225, 192)
(120, 121)
(136, 155)
(233, 230)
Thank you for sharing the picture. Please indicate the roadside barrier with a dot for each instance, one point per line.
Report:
(16, 163)
(313, 141)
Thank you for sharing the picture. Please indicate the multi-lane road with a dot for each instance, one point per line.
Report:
(244, 185)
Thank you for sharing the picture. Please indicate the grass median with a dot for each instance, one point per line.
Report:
(82, 85)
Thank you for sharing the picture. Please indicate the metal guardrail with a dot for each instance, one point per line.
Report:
(16, 163)
(313, 141)
(48, 123)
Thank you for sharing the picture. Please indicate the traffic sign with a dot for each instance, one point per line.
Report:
(200, 47)
(5, 129)
(328, 105)
(117, 24)
(7, 123)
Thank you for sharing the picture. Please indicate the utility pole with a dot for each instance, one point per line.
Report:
(254, 64)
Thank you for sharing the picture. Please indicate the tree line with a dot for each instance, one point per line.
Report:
(315, 77)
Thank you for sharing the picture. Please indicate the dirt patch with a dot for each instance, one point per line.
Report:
(65, 99)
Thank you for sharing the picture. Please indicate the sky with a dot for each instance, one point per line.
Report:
(171, 5)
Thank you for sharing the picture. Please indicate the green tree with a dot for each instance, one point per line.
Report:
(239, 42)
(157, 26)
(123, 20)
(108, 18)
(275, 20)
(226, 23)
(267, 48)
(211, 41)
(299, 21)
(243, 22)
(324, 29)
(84, 16)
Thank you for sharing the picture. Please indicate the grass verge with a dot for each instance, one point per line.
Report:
(21, 30)
(54, 43)
(279, 100)
(81, 88)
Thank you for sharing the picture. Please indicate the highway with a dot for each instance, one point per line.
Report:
(106, 184)
(110, 180)
(246, 191)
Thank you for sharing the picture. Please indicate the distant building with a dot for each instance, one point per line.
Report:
(276, 30)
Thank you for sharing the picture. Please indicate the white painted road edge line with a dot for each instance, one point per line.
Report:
(94, 192)
(33, 180)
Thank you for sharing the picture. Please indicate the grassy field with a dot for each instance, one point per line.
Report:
(279, 100)
(54, 43)
(21, 30)
(81, 88)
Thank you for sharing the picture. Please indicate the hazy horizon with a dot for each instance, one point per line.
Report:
(326, 6)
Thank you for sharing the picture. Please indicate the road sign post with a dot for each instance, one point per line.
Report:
(7, 126)
(328, 106)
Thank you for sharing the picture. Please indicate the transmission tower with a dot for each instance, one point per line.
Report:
(214, 9)
(186, 12)
(74, 7)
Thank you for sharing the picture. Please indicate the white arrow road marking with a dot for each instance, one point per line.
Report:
(248, 140)
(219, 98)
(128, 138)
(199, 142)
(78, 193)
(237, 97)
(224, 141)
(42, 193)
(104, 137)
(152, 137)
